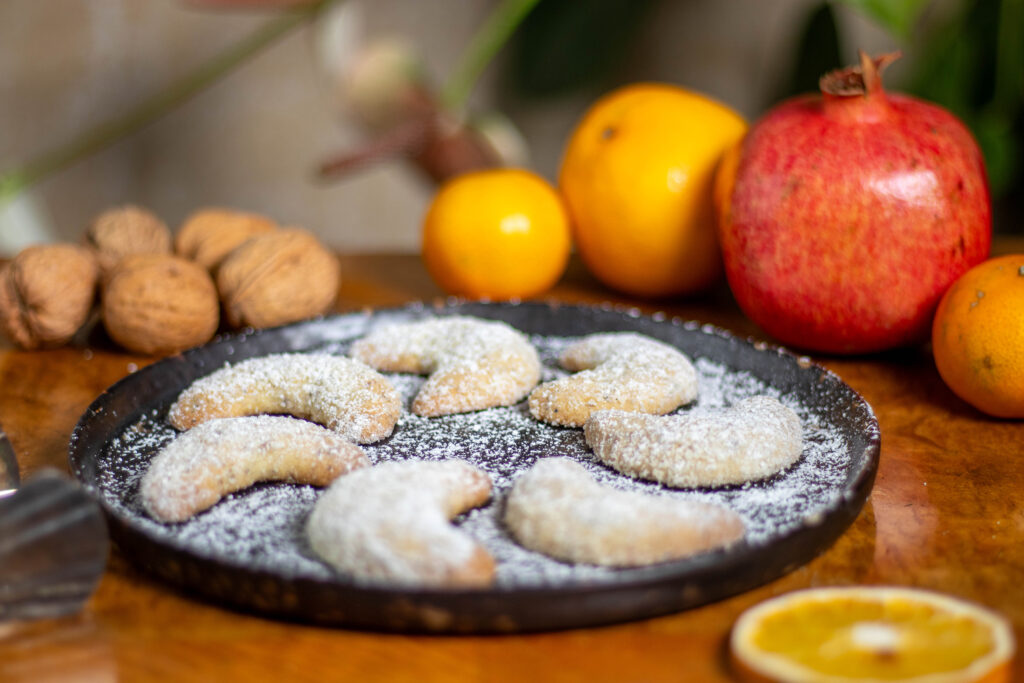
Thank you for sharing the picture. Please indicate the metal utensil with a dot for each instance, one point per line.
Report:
(9, 476)
(53, 547)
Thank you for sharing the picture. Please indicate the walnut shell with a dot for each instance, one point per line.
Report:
(126, 230)
(46, 294)
(278, 278)
(159, 304)
(208, 235)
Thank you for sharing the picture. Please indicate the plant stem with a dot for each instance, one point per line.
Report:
(15, 180)
(486, 43)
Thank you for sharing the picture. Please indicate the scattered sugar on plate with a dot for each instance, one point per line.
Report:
(262, 527)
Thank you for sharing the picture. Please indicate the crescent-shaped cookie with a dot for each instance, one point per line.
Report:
(617, 370)
(390, 523)
(557, 508)
(337, 392)
(206, 463)
(472, 363)
(755, 438)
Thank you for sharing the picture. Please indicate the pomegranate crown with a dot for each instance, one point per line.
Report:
(859, 80)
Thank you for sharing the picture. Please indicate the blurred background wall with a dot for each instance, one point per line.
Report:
(253, 139)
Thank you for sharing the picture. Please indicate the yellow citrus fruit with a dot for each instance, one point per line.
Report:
(497, 234)
(864, 634)
(978, 339)
(637, 179)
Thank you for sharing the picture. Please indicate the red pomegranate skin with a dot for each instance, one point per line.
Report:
(849, 217)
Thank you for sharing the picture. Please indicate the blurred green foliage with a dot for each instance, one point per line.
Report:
(567, 44)
(899, 17)
(974, 66)
(966, 55)
(970, 60)
(817, 52)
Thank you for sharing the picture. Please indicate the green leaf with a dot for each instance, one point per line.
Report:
(999, 146)
(818, 52)
(950, 77)
(564, 45)
(1009, 68)
(974, 66)
(898, 17)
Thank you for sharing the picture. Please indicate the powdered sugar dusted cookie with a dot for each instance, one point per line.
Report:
(751, 440)
(472, 363)
(206, 463)
(342, 394)
(623, 370)
(390, 523)
(559, 509)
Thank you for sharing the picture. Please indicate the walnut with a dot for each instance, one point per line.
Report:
(159, 304)
(278, 278)
(208, 235)
(46, 294)
(126, 230)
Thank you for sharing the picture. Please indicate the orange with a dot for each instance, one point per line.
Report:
(843, 635)
(496, 234)
(637, 179)
(978, 336)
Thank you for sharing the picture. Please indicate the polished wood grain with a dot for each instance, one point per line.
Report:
(947, 513)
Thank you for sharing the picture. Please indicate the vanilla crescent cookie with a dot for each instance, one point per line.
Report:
(755, 438)
(557, 508)
(390, 523)
(623, 370)
(202, 465)
(472, 363)
(342, 394)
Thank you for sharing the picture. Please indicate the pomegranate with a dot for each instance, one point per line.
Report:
(844, 217)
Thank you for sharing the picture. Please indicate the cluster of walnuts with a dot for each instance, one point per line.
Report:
(159, 298)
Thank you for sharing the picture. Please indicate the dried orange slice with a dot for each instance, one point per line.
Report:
(860, 634)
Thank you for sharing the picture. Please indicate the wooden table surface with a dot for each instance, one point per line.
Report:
(946, 513)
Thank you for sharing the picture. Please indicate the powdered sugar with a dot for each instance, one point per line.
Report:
(262, 527)
(557, 508)
(471, 363)
(621, 370)
(195, 470)
(342, 394)
(389, 523)
(750, 440)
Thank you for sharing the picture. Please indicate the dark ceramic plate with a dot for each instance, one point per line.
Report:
(249, 551)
